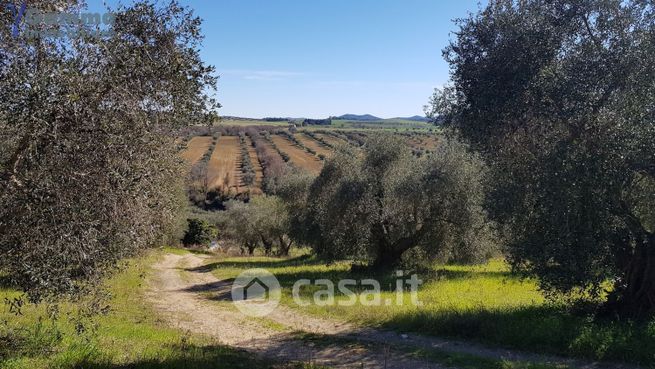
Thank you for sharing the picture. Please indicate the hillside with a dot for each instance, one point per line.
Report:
(364, 117)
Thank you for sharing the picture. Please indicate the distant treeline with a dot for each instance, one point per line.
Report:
(191, 131)
(303, 122)
(317, 122)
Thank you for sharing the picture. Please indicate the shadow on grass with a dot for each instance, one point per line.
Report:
(448, 274)
(248, 263)
(287, 278)
(192, 357)
(223, 357)
(548, 328)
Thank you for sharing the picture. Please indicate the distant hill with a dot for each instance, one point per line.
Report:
(415, 118)
(371, 118)
(365, 117)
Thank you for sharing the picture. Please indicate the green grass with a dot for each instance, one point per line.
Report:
(480, 303)
(130, 335)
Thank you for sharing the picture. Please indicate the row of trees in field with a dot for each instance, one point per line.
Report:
(283, 155)
(272, 163)
(558, 98)
(288, 135)
(319, 139)
(188, 132)
(247, 170)
(198, 186)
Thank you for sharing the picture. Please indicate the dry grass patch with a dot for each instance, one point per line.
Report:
(334, 141)
(223, 169)
(313, 144)
(196, 148)
(299, 157)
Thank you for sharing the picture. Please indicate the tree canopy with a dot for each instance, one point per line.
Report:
(89, 170)
(559, 98)
(376, 205)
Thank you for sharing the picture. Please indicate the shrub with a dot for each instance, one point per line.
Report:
(199, 232)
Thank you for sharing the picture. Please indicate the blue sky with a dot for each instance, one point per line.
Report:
(315, 58)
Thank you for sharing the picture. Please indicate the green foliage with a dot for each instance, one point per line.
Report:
(262, 222)
(199, 232)
(378, 205)
(40, 338)
(89, 171)
(559, 97)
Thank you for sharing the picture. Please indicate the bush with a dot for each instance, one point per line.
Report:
(199, 232)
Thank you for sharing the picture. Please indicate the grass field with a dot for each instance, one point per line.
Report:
(130, 335)
(196, 148)
(299, 157)
(480, 303)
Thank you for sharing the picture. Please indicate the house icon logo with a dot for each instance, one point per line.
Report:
(256, 292)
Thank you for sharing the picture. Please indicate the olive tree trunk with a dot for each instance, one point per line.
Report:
(634, 294)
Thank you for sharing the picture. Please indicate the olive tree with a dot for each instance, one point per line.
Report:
(376, 205)
(238, 223)
(558, 96)
(89, 168)
(262, 221)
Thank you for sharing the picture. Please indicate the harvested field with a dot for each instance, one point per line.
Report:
(299, 157)
(256, 187)
(313, 144)
(223, 167)
(196, 148)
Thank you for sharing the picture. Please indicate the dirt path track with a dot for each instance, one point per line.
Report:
(191, 298)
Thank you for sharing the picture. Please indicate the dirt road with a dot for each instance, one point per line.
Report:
(189, 297)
